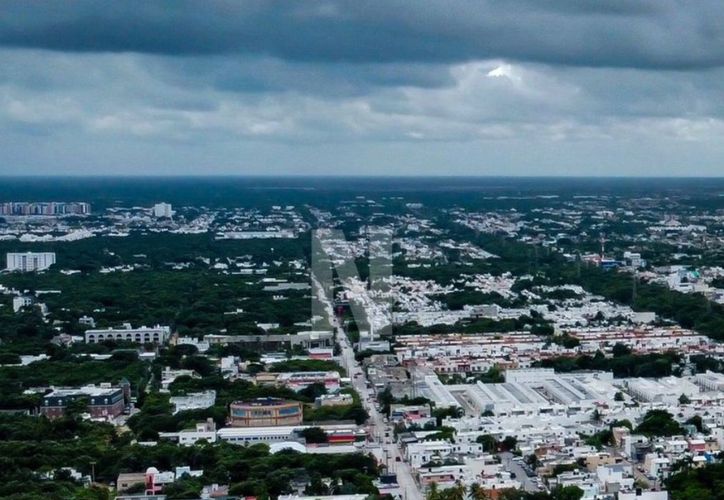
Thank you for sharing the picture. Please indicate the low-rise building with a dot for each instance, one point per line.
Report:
(193, 401)
(188, 437)
(270, 342)
(339, 399)
(417, 415)
(643, 495)
(143, 335)
(338, 434)
(128, 480)
(297, 381)
(262, 412)
(103, 401)
(710, 381)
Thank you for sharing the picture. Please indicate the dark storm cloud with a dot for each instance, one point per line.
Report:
(413, 86)
(669, 34)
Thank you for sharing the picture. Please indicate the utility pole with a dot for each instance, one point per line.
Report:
(578, 265)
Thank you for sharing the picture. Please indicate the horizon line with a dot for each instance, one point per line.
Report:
(351, 176)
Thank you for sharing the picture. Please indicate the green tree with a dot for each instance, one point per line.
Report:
(477, 492)
(620, 349)
(659, 423)
(314, 435)
(490, 445)
(509, 443)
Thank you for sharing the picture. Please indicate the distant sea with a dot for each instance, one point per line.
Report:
(104, 192)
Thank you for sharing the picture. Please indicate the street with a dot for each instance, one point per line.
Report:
(513, 466)
(377, 425)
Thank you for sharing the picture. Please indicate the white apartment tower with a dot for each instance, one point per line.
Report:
(162, 210)
(30, 261)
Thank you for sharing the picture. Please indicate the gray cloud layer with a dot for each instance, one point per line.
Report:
(669, 34)
(495, 86)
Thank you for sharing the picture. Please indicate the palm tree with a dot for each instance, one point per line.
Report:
(477, 492)
(596, 415)
(457, 492)
(433, 493)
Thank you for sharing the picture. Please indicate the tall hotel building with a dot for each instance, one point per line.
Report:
(51, 208)
(30, 261)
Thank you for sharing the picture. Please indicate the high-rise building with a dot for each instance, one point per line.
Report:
(21, 301)
(30, 261)
(51, 208)
(162, 210)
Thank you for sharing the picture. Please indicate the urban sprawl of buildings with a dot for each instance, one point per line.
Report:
(516, 349)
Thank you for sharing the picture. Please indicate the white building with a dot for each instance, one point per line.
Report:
(30, 261)
(643, 495)
(656, 466)
(87, 321)
(324, 497)
(200, 344)
(143, 335)
(297, 381)
(710, 381)
(662, 390)
(229, 366)
(424, 452)
(20, 302)
(193, 401)
(537, 391)
(634, 259)
(586, 482)
(280, 434)
(168, 376)
(162, 210)
(188, 437)
(615, 477)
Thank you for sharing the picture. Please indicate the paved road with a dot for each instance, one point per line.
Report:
(520, 475)
(377, 425)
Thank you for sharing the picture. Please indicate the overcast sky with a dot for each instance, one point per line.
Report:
(415, 87)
